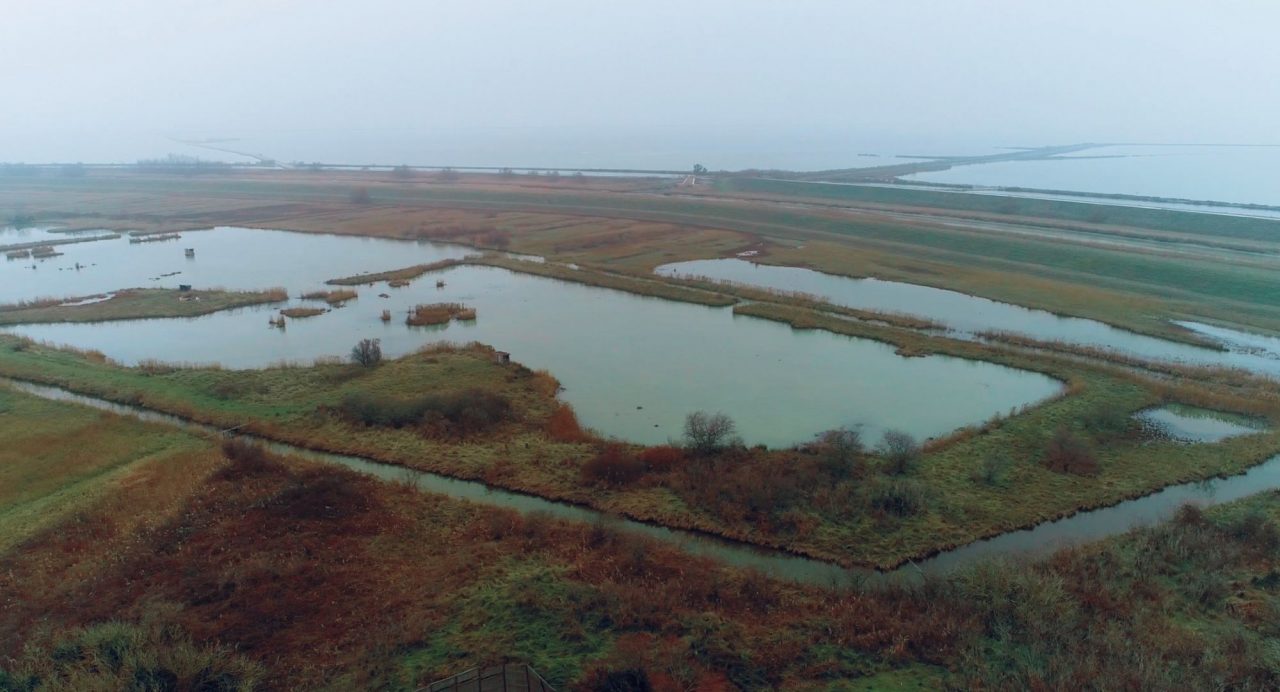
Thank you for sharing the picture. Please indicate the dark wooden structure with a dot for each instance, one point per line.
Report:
(501, 357)
(512, 677)
(184, 287)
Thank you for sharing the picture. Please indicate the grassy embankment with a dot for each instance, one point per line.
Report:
(861, 511)
(137, 303)
(395, 275)
(185, 568)
(1161, 220)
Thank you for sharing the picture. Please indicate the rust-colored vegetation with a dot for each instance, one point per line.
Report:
(299, 313)
(336, 297)
(439, 313)
(563, 426)
(396, 277)
(301, 576)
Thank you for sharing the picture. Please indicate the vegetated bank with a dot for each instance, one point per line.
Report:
(136, 303)
(190, 564)
(855, 504)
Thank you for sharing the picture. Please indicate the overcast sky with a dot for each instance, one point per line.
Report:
(83, 79)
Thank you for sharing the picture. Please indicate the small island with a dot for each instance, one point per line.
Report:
(134, 304)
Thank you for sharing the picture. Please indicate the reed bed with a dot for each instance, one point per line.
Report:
(396, 277)
(154, 238)
(439, 313)
(332, 297)
(299, 313)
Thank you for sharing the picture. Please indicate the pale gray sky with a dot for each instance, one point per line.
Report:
(85, 79)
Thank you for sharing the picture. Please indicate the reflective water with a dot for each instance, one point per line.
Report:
(970, 314)
(26, 235)
(632, 367)
(235, 258)
(1249, 175)
(1193, 424)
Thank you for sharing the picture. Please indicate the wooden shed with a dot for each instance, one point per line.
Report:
(512, 677)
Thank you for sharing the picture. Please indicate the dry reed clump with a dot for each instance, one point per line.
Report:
(439, 313)
(332, 297)
(297, 313)
(563, 426)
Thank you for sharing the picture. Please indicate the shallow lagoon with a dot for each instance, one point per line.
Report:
(1193, 424)
(967, 315)
(632, 366)
(1223, 174)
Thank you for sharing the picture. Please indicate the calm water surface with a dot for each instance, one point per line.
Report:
(967, 314)
(632, 367)
(1193, 424)
(1249, 175)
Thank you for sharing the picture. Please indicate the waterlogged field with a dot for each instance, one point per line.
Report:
(632, 367)
(232, 258)
(969, 316)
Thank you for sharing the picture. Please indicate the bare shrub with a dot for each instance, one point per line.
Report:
(368, 352)
(1068, 452)
(841, 450)
(707, 433)
(900, 451)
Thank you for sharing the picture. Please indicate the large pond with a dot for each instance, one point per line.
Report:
(632, 367)
(967, 315)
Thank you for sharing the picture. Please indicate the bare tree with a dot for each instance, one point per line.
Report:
(900, 450)
(707, 433)
(368, 352)
(841, 449)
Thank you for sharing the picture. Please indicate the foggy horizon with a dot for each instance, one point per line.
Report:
(734, 84)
